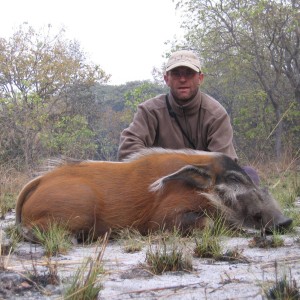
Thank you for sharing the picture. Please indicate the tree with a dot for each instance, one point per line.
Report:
(141, 93)
(37, 70)
(256, 38)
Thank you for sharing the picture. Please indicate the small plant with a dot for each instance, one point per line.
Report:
(56, 239)
(277, 240)
(220, 228)
(234, 255)
(208, 240)
(85, 284)
(284, 288)
(208, 244)
(8, 245)
(164, 257)
(14, 237)
(131, 239)
(264, 241)
(37, 279)
(208, 247)
(50, 276)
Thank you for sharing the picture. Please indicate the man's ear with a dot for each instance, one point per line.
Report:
(193, 176)
(166, 78)
(201, 78)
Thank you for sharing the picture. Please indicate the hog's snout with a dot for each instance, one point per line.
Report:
(280, 226)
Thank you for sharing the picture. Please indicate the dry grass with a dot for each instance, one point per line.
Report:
(11, 182)
(283, 180)
(131, 240)
(86, 283)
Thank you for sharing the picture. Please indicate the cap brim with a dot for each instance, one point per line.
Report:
(183, 64)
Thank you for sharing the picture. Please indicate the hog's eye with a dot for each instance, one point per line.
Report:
(234, 179)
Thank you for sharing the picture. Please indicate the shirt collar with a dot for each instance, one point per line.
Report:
(192, 106)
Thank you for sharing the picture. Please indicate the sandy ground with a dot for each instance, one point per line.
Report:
(127, 277)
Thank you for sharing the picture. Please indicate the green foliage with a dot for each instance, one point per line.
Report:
(54, 102)
(108, 127)
(251, 125)
(139, 94)
(70, 136)
(37, 70)
(292, 125)
(246, 48)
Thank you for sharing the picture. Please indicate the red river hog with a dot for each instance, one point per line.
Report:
(154, 189)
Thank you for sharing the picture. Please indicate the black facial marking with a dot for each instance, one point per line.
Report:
(228, 164)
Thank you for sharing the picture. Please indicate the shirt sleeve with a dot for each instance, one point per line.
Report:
(139, 135)
(220, 136)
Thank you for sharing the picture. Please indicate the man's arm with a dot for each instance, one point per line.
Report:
(220, 136)
(140, 133)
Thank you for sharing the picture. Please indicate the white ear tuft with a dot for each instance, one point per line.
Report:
(157, 185)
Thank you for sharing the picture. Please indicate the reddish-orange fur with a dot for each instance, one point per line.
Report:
(106, 195)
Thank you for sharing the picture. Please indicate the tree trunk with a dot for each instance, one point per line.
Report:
(278, 134)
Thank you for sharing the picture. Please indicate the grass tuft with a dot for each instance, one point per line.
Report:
(208, 241)
(264, 241)
(132, 240)
(14, 236)
(167, 255)
(284, 288)
(208, 247)
(56, 239)
(85, 283)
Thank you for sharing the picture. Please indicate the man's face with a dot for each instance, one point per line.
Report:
(183, 82)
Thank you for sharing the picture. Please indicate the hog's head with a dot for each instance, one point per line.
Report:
(232, 192)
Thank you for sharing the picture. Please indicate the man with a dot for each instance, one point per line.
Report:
(184, 118)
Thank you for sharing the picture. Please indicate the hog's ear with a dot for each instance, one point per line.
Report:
(193, 176)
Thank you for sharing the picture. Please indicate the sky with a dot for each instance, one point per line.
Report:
(125, 37)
